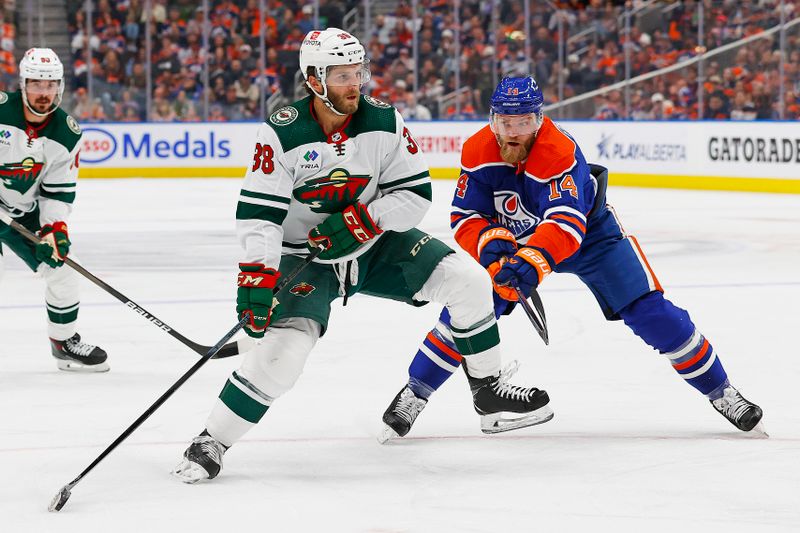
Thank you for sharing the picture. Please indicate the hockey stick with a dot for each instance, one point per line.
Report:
(60, 499)
(226, 351)
(535, 313)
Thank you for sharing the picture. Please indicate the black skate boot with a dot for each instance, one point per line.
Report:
(76, 356)
(201, 460)
(742, 413)
(503, 406)
(400, 415)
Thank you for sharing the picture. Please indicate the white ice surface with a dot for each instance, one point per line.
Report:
(632, 447)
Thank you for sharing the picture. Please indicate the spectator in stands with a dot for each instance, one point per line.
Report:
(163, 112)
(717, 108)
(245, 90)
(216, 114)
(414, 110)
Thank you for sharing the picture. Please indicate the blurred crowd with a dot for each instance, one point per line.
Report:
(115, 51)
(458, 62)
(8, 62)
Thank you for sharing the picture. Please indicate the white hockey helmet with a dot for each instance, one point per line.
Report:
(322, 49)
(41, 64)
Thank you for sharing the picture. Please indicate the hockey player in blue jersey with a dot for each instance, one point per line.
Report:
(528, 204)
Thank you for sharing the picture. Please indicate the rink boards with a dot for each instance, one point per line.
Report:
(711, 155)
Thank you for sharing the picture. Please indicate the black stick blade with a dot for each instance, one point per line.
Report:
(60, 499)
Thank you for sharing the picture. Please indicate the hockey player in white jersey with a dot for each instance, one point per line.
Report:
(341, 170)
(39, 145)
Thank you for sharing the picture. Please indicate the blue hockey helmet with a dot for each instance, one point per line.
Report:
(517, 96)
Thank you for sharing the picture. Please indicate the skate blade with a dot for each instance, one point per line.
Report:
(495, 423)
(387, 434)
(759, 432)
(75, 366)
(189, 472)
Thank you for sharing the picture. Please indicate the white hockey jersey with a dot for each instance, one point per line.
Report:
(38, 163)
(299, 176)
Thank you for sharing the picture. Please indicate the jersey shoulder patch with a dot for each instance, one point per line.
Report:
(11, 110)
(375, 102)
(372, 115)
(553, 153)
(295, 126)
(63, 129)
(284, 116)
(481, 150)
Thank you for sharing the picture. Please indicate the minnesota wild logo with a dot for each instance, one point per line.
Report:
(302, 289)
(377, 103)
(331, 193)
(20, 176)
(284, 116)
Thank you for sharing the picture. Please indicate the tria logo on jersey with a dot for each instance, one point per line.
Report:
(20, 176)
(312, 161)
(331, 193)
(512, 214)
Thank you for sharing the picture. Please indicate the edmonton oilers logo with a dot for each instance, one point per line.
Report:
(512, 213)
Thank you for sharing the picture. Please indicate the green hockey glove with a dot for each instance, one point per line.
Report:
(342, 233)
(55, 244)
(254, 297)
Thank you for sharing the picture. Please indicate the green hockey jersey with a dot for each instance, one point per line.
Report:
(299, 176)
(38, 162)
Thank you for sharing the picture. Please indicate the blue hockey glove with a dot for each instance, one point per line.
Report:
(494, 243)
(525, 269)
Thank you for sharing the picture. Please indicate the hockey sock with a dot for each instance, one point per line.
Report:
(240, 406)
(697, 362)
(717, 393)
(435, 361)
(668, 329)
(205, 433)
(479, 345)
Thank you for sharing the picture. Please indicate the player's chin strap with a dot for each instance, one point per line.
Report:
(56, 101)
(324, 97)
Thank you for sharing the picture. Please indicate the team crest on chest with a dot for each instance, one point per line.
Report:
(20, 176)
(302, 289)
(3, 98)
(331, 193)
(284, 116)
(512, 214)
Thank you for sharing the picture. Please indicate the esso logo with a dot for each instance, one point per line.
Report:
(97, 145)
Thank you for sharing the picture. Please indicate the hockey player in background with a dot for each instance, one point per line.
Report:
(527, 204)
(341, 170)
(39, 148)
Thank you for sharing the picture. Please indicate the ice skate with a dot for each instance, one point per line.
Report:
(75, 356)
(201, 460)
(401, 414)
(741, 412)
(503, 406)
